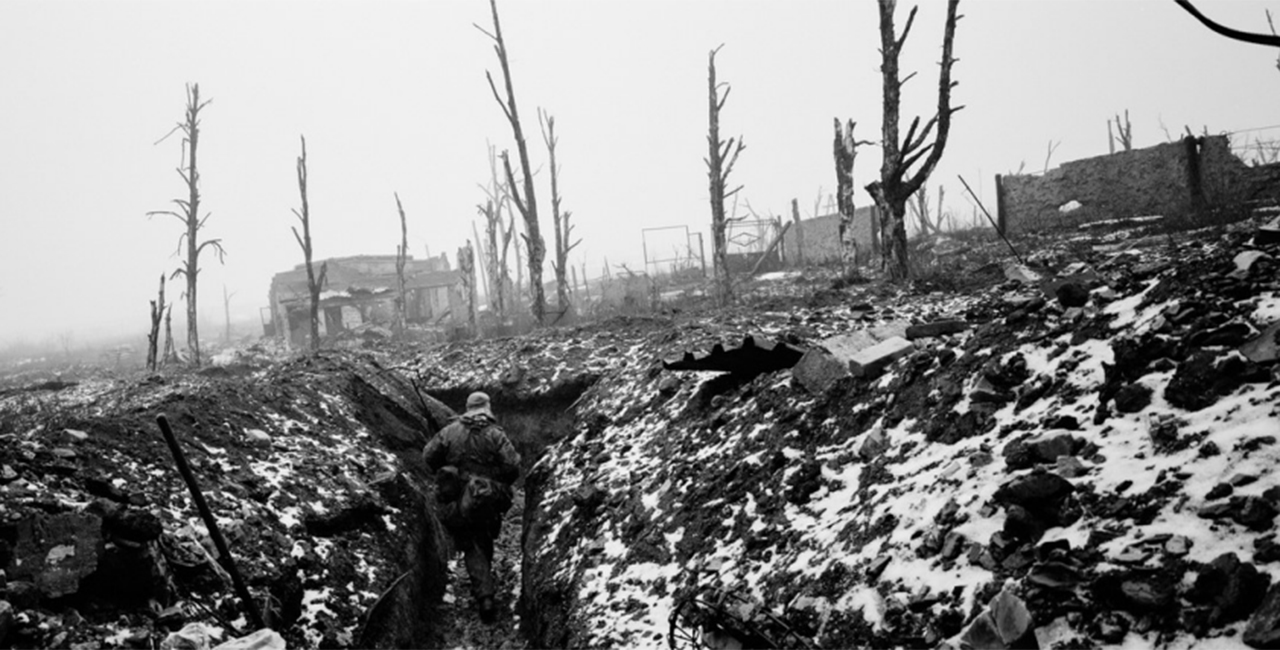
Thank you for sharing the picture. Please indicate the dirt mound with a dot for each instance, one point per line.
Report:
(298, 462)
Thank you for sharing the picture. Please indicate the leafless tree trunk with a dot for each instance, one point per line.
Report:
(721, 155)
(897, 183)
(920, 207)
(845, 149)
(467, 269)
(304, 241)
(1053, 146)
(226, 312)
(526, 204)
(190, 215)
(795, 216)
(1124, 133)
(170, 353)
(153, 339)
(561, 220)
(497, 238)
(402, 258)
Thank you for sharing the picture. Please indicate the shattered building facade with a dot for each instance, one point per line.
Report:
(361, 293)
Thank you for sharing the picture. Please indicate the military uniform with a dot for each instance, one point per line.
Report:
(476, 465)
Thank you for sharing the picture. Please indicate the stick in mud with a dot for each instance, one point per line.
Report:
(198, 497)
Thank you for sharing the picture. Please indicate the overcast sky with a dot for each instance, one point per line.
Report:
(392, 97)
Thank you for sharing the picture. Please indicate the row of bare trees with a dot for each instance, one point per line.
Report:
(906, 162)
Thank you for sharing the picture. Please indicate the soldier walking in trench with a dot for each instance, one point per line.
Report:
(475, 465)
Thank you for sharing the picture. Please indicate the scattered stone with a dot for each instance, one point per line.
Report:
(1035, 502)
(877, 567)
(1072, 294)
(258, 436)
(1138, 590)
(1110, 627)
(1044, 448)
(55, 551)
(952, 545)
(1229, 335)
(1012, 619)
(76, 434)
(818, 370)
(135, 525)
(1020, 273)
(1132, 398)
(873, 444)
(1178, 546)
(1254, 513)
(936, 328)
(360, 512)
(668, 385)
(1068, 422)
(1241, 480)
(1219, 491)
(6, 619)
(588, 498)
(871, 361)
(1198, 382)
(22, 594)
(7, 474)
(1244, 262)
(63, 453)
(1209, 450)
(1230, 587)
(1266, 550)
(1265, 347)
(1263, 629)
(1054, 575)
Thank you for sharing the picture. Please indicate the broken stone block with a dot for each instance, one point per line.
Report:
(1265, 347)
(1132, 398)
(1072, 294)
(6, 619)
(1263, 629)
(1244, 262)
(873, 360)
(1020, 273)
(1230, 587)
(56, 551)
(818, 370)
(936, 328)
(873, 444)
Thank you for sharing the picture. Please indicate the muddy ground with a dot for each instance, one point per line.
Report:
(1050, 463)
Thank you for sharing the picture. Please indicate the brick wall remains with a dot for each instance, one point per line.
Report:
(822, 239)
(1150, 181)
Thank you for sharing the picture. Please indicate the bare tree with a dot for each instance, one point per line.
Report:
(845, 149)
(467, 270)
(190, 214)
(896, 183)
(226, 312)
(153, 339)
(304, 241)
(526, 204)
(721, 155)
(920, 207)
(402, 258)
(1235, 34)
(561, 220)
(170, 352)
(1123, 135)
(1053, 146)
(497, 238)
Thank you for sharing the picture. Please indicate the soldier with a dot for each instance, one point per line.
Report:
(476, 466)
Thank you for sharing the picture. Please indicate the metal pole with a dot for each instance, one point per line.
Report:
(198, 497)
(989, 218)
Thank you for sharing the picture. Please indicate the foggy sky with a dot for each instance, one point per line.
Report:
(391, 97)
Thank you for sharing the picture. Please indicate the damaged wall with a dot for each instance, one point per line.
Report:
(1166, 179)
(821, 237)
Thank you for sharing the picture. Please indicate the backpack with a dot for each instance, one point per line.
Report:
(484, 499)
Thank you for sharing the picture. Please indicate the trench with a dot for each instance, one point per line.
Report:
(429, 605)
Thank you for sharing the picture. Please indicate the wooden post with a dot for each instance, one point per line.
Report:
(795, 216)
(1195, 186)
(772, 245)
(1002, 214)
